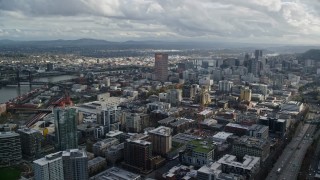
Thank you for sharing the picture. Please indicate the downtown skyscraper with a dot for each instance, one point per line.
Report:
(65, 128)
(161, 67)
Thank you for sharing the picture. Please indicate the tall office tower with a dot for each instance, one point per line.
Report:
(246, 57)
(174, 96)
(258, 54)
(161, 67)
(10, 148)
(68, 165)
(245, 94)
(50, 67)
(110, 117)
(137, 155)
(133, 122)
(49, 168)
(30, 143)
(75, 164)
(65, 128)
(161, 140)
(253, 66)
(225, 86)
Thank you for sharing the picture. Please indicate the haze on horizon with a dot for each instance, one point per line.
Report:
(250, 21)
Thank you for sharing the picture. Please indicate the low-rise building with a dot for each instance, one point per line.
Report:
(197, 153)
(236, 129)
(116, 173)
(114, 134)
(248, 167)
(213, 171)
(276, 126)
(177, 124)
(259, 131)
(96, 164)
(184, 138)
(251, 146)
(292, 106)
(115, 153)
(180, 172)
(99, 148)
(221, 137)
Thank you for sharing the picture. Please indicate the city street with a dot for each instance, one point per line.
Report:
(288, 165)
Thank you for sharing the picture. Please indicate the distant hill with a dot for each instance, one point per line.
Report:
(103, 48)
(311, 54)
(59, 42)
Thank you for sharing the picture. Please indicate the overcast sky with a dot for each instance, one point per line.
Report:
(261, 21)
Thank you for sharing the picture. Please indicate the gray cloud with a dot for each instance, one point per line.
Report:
(234, 20)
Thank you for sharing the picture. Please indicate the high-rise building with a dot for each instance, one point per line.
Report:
(65, 128)
(245, 94)
(257, 54)
(133, 122)
(75, 164)
(68, 165)
(174, 96)
(10, 148)
(50, 67)
(30, 142)
(259, 88)
(49, 168)
(137, 155)
(110, 118)
(253, 66)
(194, 90)
(161, 140)
(161, 66)
(225, 86)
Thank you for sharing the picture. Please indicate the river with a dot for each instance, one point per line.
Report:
(10, 92)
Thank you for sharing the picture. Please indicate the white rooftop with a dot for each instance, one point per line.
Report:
(222, 135)
(161, 130)
(115, 173)
(248, 163)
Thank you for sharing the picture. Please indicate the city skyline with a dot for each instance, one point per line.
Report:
(253, 21)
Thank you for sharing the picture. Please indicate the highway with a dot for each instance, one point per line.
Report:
(288, 164)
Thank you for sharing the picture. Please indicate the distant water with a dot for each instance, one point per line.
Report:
(10, 92)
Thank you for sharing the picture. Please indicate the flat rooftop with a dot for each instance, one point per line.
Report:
(248, 162)
(49, 158)
(162, 131)
(113, 133)
(252, 142)
(237, 126)
(201, 146)
(115, 173)
(222, 135)
(96, 160)
(8, 134)
(184, 138)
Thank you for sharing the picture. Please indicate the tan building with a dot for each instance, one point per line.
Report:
(161, 67)
(161, 140)
(245, 94)
(205, 97)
